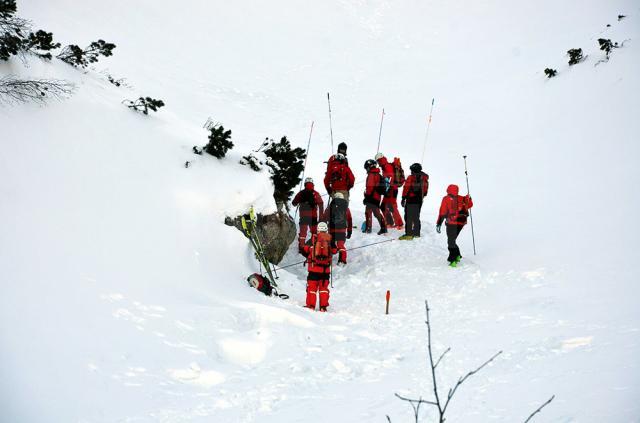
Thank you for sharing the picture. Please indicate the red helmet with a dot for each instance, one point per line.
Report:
(452, 189)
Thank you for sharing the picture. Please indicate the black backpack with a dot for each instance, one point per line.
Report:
(338, 213)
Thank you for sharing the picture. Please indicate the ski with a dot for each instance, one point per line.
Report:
(250, 229)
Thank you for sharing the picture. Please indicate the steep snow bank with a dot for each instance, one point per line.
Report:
(121, 286)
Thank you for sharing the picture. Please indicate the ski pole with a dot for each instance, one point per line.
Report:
(380, 133)
(330, 124)
(304, 170)
(424, 148)
(466, 174)
(388, 297)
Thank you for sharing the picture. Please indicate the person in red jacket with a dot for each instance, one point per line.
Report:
(319, 255)
(311, 208)
(415, 189)
(390, 200)
(339, 177)
(338, 216)
(372, 197)
(454, 209)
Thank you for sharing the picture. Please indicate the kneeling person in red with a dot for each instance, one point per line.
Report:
(319, 254)
(338, 217)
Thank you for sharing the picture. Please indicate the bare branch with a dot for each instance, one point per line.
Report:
(14, 90)
(442, 356)
(539, 409)
(433, 367)
(415, 400)
(462, 379)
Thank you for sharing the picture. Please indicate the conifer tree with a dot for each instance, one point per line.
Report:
(219, 141)
(286, 166)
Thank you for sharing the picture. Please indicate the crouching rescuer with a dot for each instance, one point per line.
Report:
(319, 254)
(455, 210)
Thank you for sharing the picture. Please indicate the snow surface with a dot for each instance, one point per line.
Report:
(122, 294)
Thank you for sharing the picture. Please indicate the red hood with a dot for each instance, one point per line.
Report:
(382, 161)
(452, 189)
(309, 186)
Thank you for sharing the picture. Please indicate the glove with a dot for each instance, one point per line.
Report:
(349, 235)
(438, 228)
(403, 203)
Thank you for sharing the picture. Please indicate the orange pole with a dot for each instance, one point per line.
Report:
(388, 298)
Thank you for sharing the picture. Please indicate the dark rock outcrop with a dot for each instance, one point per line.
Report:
(276, 231)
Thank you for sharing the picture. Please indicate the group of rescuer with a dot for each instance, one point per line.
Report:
(330, 227)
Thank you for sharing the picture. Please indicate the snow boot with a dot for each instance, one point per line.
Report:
(406, 238)
(453, 264)
(323, 309)
(382, 231)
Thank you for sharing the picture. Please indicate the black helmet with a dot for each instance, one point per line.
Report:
(342, 148)
(369, 164)
(415, 168)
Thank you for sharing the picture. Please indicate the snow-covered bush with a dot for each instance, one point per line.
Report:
(607, 45)
(575, 56)
(144, 104)
(550, 72)
(286, 165)
(16, 36)
(252, 161)
(219, 141)
(76, 56)
(40, 43)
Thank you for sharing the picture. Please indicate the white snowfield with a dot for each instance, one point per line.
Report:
(123, 295)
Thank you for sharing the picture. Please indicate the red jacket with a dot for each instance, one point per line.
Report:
(317, 271)
(371, 194)
(311, 204)
(416, 187)
(387, 170)
(454, 208)
(338, 176)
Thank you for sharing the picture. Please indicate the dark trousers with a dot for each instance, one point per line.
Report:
(412, 218)
(373, 209)
(452, 235)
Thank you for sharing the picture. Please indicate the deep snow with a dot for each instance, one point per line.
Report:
(122, 292)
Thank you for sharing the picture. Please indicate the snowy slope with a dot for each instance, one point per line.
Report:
(122, 296)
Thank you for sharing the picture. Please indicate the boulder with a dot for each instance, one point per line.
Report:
(276, 231)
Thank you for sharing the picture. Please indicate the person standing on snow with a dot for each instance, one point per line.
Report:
(338, 177)
(319, 255)
(311, 208)
(415, 189)
(454, 209)
(338, 216)
(372, 196)
(390, 200)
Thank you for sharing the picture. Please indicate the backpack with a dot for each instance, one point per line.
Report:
(337, 172)
(458, 212)
(383, 185)
(416, 187)
(308, 198)
(264, 286)
(321, 249)
(338, 213)
(398, 172)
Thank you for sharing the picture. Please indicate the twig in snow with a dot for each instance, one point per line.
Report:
(539, 409)
(14, 90)
(437, 402)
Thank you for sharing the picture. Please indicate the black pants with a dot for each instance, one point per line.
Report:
(412, 218)
(452, 235)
